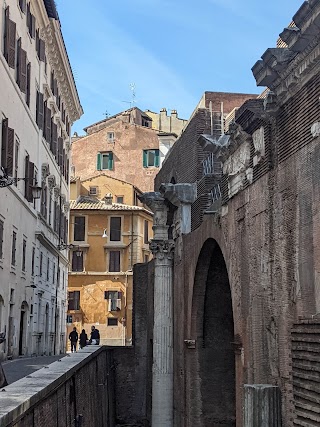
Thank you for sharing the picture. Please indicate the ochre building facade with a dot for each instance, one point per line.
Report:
(100, 276)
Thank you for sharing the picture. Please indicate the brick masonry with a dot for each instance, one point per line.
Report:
(270, 240)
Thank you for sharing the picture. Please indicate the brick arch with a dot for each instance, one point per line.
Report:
(211, 384)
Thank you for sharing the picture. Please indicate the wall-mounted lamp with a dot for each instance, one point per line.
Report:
(6, 181)
(64, 246)
(33, 286)
(105, 233)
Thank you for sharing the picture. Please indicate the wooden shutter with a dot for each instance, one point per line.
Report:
(26, 176)
(32, 28)
(4, 144)
(60, 152)
(54, 138)
(110, 161)
(156, 158)
(145, 158)
(63, 164)
(1, 239)
(12, 44)
(28, 83)
(47, 125)
(6, 34)
(10, 152)
(23, 71)
(42, 50)
(99, 161)
(18, 61)
(40, 110)
(30, 182)
(55, 87)
(22, 4)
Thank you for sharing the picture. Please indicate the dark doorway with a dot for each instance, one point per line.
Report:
(212, 396)
(23, 329)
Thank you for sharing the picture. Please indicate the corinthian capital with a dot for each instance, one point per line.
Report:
(162, 248)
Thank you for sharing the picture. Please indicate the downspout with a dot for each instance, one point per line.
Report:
(58, 275)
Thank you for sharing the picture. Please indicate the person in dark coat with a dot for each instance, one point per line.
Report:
(73, 337)
(83, 338)
(94, 336)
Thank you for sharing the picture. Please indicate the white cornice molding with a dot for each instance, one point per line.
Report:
(40, 13)
(59, 61)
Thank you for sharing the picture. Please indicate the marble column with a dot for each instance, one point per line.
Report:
(162, 368)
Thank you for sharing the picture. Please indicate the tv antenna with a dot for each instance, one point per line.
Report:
(133, 90)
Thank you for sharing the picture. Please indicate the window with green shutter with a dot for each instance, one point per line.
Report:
(105, 161)
(151, 158)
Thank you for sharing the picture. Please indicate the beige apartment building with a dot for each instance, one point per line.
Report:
(38, 105)
(110, 232)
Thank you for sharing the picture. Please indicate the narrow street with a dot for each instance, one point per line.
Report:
(18, 368)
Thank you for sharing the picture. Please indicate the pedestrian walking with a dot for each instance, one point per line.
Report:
(94, 335)
(83, 339)
(73, 337)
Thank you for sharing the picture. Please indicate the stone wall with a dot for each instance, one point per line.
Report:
(75, 391)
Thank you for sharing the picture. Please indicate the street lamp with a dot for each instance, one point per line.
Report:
(6, 181)
(64, 246)
(105, 233)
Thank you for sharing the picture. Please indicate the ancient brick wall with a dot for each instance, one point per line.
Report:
(306, 371)
(268, 233)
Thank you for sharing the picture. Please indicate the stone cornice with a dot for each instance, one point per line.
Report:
(58, 59)
(286, 70)
(40, 13)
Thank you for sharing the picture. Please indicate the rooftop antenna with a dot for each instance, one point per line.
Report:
(133, 90)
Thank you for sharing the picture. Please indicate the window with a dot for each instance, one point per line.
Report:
(77, 261)
(7, 147)
(115, 229)
(112, 321)
(53, 273)
(44, 201)
(41, 260)
(93, 191)
(119, 199)
(48, 268)
(146, 232)
(151, 158)
(1, 239)
(13, 248)
(79, 228)
(105, 161)
(16, 160)
(74, 300)
(24, 247)
(32, 261)
(114, 300)
(110, 136)
(114, 261)
(22, 5)
(9, 40)
(69, 318)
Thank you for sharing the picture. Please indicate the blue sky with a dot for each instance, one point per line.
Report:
(172, 50)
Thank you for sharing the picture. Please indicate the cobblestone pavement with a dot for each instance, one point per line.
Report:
(23, 366)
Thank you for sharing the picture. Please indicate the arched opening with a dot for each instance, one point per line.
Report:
(212, 399)
(23, 328)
